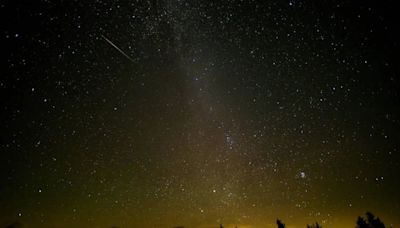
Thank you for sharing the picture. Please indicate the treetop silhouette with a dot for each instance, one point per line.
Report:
(370, 222)
(280, 224)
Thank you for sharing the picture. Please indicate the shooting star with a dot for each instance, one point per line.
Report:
(118, 49)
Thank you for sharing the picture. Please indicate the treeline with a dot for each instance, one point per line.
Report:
(369, 221)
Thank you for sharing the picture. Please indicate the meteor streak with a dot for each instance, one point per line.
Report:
(118, 49)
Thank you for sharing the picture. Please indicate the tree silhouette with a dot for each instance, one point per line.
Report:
(370, 222)
(361, 223)
(280, 224)
(316, 225)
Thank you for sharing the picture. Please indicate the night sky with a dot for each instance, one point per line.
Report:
(192, 113)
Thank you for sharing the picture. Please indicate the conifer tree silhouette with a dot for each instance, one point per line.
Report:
(280, 223)
(361, 223)
(370, 222)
